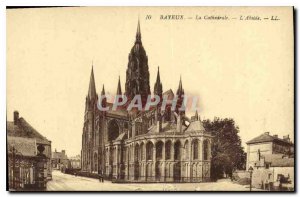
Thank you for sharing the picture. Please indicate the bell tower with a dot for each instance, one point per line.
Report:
(137, 74)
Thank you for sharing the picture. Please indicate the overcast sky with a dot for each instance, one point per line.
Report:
(239, 69)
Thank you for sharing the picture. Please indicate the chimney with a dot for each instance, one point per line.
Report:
(267, 133)
(286, 138)
(276, 136)
(16, 117)
(63, 152)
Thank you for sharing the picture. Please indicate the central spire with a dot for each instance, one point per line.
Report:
(138, 32)
(137, 73)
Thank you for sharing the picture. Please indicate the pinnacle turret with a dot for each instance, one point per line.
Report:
(92, 87)
(158, 85)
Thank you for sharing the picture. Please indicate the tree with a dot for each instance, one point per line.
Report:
(227, 153)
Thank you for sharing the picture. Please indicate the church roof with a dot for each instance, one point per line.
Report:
(167, 127)
(266, 137)
(195, 126)
(24, 129)
(122, 136)
(169, 93)
(121, 111)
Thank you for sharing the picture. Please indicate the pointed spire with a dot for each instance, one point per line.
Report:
(180, 90)
(103, 90)
(158, 76)
(92, 87)
(103, 102)
(119, 90)
(138, 32)
(158, 85)
(196, 115)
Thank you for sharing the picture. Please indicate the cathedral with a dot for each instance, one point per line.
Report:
(157, 145)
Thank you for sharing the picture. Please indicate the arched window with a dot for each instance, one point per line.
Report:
(177, 154)
(95, 162)
(168, 150)
(205, 150)
(195, 149)
(142, 151)
(159, 149)
(149, 151)
(125, 125)
(124, 154)
(186, 150)
(113, 130)
(136, 152)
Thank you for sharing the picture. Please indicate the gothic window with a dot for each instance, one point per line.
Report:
(168, 150)
(136, 153)
(125, 125)
(177, 150)
(149, 151)
(142, 151)
(186, 150)
(124, 154)
(113, 130)
(205, 150)
(159, 150)
(95, 162)
(195, 149)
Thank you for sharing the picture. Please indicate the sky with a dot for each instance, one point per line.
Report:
(239, 69)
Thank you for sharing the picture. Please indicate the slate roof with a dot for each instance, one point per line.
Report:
(195, 126)
(59, 155)
(279, 160)
(23, 146)
(121, 136)
(265, 137)
(167, 127)
(119, 111)
(24, 129)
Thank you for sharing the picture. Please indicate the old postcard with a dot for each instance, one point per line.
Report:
(150, 99)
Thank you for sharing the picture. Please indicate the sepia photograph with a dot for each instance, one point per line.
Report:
(150, 99)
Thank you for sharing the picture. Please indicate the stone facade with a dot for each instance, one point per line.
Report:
(266, 144)
(159, 145)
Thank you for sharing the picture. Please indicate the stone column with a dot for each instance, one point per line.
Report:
(201, 162)
(191, 152)
(154, 162)
(163, 172)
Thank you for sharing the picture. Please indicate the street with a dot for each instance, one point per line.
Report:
(66, 182)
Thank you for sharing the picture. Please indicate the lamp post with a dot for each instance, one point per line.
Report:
(251, 172)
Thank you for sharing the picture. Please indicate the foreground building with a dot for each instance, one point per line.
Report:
(272, 159)
(158, 145)
(28, 156)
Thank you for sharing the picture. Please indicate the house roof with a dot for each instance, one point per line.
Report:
(279, 160)
(23, 146)
(24, 129)
(265, 137)
(59, 155)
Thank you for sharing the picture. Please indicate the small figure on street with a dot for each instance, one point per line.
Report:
(101, 178)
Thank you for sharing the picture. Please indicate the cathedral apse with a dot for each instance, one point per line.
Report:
(154, 145)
